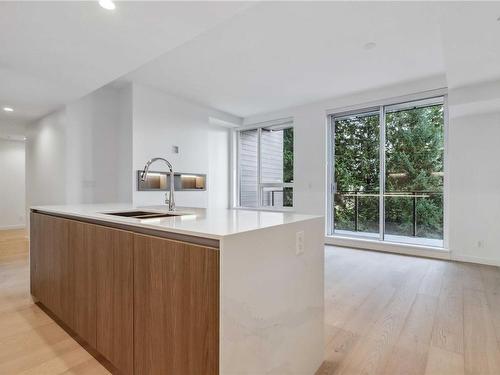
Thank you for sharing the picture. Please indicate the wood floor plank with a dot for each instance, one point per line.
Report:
(448, 332)
(481, 349)
(432, 282)
(491, 282)
(90, 367)
(24, 360)
(343, 299)
(337, 348)
(364, 317)
(22, 320)
(444, 362)
(370, 355)
(13, 246)
(60, 364)
(411, 350)
(471, 276)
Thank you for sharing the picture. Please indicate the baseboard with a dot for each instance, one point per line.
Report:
(10, 227)
(473, 259)
(386, 247)
(404, 249)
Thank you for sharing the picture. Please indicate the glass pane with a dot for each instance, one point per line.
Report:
(356, 212)
(357, 164)
(414, 175)
(277, 196)
(277, 155)
(247, 159)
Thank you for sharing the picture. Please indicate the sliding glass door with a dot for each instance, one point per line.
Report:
(357, 174)
(387, 175)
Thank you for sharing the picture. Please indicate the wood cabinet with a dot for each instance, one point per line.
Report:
(149, 305)
(51, 266)
(115, 293)
(35, 249)
(83, 282)
(62, 266)
(176, 307)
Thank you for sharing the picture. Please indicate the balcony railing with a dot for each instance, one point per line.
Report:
(277, 196)
(357, 196)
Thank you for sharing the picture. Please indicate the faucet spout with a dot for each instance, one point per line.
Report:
(144, 176)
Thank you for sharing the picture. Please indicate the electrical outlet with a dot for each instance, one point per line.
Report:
(299, 243)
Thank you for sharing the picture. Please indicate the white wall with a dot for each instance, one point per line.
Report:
(82, 153)
(473, 156)
(98, 148)
(46, 161)
(162, 121)
(12, 199)
(90, 150)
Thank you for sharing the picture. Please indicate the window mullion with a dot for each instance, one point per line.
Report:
(382, 173)
(259, 168)
(237, 201)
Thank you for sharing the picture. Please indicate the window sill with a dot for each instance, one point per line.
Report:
(391, 247)
(270, 209)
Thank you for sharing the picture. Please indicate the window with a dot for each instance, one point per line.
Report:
(265, 166)
(387, 172)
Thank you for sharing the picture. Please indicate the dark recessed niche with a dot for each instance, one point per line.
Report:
(160, 181)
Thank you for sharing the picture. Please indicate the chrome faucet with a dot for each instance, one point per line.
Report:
(144, 175)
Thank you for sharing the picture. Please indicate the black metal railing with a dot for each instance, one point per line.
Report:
(273, 192)
(284, 193)
(414, 195)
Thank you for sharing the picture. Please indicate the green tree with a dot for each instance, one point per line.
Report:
(357, 166)
(288, 166)
(414, 164)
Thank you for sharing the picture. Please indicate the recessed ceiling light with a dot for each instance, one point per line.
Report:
(107, 4)
(8, 109)
(370, 45)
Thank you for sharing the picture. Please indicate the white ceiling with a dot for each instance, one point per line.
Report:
(55, 52)
(471, 41)
(283, 54)
(276, 55)
(242, 58)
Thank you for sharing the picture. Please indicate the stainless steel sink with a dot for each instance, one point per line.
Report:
(141, 214)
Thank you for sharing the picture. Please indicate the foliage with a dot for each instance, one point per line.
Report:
(357, 167)
(288, 166)
(414, 166)
(288, 155)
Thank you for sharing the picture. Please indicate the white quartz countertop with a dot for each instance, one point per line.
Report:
(200, 222)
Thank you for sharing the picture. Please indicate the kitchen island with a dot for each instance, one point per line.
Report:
(193, 291)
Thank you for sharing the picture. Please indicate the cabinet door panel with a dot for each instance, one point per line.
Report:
(114, 250)
(82, 251)
(176, 307)
(35, 269)
(53, 267)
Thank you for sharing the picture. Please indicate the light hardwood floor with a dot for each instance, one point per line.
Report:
(385, 314)
(389, 314)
